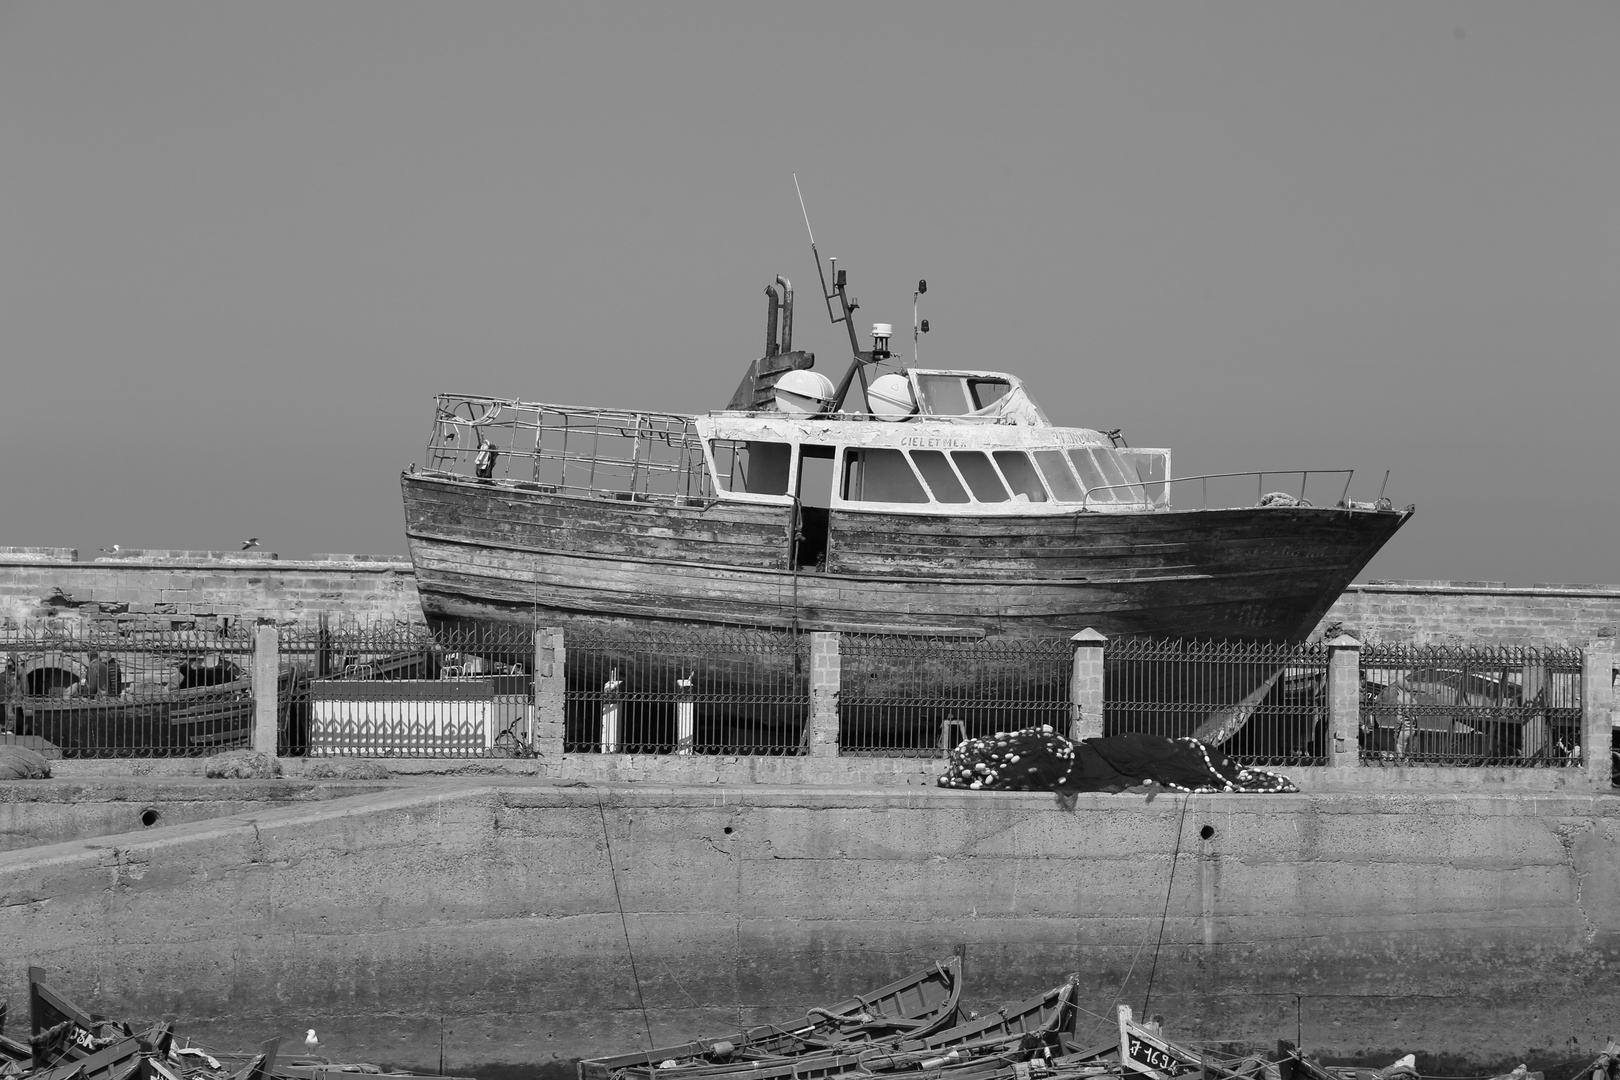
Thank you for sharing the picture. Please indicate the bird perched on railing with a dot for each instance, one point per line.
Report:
(311, 1043)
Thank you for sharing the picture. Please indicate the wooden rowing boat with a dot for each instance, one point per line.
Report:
(1015, 1032)
(914, 1006)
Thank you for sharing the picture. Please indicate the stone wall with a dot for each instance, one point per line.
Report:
(167, 586)
(502, 921)
(183, 589)
(1469, 612)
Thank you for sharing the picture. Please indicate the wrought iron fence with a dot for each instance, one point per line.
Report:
(1263, 703)
(123, 690)
(404, 690)
(1471, 706)
(680, 691)
(920, 696)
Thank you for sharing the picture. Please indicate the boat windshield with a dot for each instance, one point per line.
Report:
(956, 394)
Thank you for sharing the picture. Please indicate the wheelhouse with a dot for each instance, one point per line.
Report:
(1006, 463)
(928, 468)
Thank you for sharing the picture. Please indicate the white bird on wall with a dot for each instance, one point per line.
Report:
(310, 1041)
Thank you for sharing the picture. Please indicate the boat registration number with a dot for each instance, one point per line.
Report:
(1146, 1054)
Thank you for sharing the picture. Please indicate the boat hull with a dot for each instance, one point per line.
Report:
(514, 554)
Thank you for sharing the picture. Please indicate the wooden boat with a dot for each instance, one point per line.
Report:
(927, 500)
(1016, 1032)
(65, 1038)
(197, 720)
(917, 1005)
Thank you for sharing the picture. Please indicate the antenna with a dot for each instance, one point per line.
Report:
(827, 297)
(846, 304)
(806, 214)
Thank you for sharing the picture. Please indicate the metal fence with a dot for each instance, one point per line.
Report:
(116, 690)
(1478, 705)
(406, 690)
(921, 696)
(1263, 703)
(687, 691)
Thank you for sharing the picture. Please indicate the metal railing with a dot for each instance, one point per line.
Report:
(1471, 706)
(687, 691)
(920, 696)
(583, 451)
(1263, 703)
(117, 690)
(403, 690)
(1158, 493)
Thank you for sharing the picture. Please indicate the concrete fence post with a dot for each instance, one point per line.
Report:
(1086, 685)
(266, 672)
(550, 689)
(1344, 702)
(1597, 711)
(825, 675)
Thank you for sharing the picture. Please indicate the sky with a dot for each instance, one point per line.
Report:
(243, 245)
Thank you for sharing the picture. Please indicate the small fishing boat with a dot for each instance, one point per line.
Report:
(917, 1005)
(1014, 1032)
(68, 1043)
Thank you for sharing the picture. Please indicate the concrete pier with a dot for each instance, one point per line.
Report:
(483, 911)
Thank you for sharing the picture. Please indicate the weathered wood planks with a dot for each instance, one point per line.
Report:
(495, 552)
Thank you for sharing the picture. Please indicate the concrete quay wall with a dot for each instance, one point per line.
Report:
(53, 811)
(501, 918)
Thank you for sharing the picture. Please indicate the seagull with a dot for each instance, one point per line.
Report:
(250, 542)
(311, 1041)
(110, 551)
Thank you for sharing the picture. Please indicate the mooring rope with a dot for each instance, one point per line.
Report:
(624, 923)
(1175, 856)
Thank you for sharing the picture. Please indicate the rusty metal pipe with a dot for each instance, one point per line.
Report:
(787, 312)
(770, 320)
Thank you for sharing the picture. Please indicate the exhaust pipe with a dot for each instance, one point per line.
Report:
(787, 312)
(770, 321)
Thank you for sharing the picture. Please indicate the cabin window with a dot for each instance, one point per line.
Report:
(758, 468)
(1020, 474)
(877, 475)
(975, 467)
(1100, 467)
(1151, 467)
(943, 395)
(1055, 467)
(986, 392)
(941, 479)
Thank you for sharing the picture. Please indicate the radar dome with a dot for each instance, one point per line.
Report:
(803, 393)
(890, 398)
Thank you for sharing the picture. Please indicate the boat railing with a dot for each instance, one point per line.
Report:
(1284, 490)
(575, 450)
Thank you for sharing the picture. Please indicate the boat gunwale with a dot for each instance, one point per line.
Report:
(1009, 509)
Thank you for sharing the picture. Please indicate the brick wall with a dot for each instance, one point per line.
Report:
(1469, 612)
(202, 588)
(176, 586)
